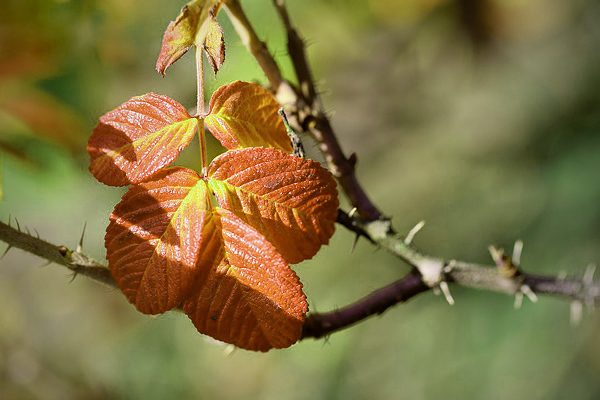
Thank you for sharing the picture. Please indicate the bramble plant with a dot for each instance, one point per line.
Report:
(218, 243)
(215, 242)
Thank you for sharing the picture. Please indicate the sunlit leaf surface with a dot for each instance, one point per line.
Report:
(138, 138)
(243, 114)
(197, 26)
(155, 236)
(251, 298)
(289, 200)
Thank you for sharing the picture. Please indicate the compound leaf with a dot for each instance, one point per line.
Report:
(195, 26)
(138, 138)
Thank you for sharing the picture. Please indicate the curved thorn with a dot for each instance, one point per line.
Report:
(526, 290)
(80, 244)
(73, 276)
(352, 212)
(6, 251)
(446, 291)
(413, 232)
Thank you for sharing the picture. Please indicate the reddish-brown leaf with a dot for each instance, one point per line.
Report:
(251, 297)
(192, 27)
(292, 202)
(138, 138)
(243, 114)
(214, 44)
(155, 236)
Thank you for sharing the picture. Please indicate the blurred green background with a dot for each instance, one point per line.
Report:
(480, 117)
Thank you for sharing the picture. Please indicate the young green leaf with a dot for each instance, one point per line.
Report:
(155, 236)
(195, 26)
(292, 202)
(138, 138)
(243, 114)
(251, 297)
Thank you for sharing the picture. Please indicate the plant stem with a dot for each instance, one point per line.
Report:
(257, 47)
(200, 112)
(200, 80)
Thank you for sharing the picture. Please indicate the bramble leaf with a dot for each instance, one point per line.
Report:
(243, 114)
(195, 25)
(251, 297)
(214, 44)
(291, 201)
(138, 138)
(155, 236)
(166, 246)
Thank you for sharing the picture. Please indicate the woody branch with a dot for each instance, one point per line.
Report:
(304, 107)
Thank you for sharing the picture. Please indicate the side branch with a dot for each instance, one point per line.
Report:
(77, 262)
(303, 105)
(306, 113)
(317, 325)
(482, 277)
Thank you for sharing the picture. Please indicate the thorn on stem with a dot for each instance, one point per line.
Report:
(516, 255)
(497, 255)
(449, 267)
(355, 242)
(576, 312)
(588, 275)
(353, 160)
(562, 275)
(73, 276)
(80, 244)
(352, 212)
(413, 232)
(518, 300)
(526, 290)
(446, 291)
(229, 350)
(6, 251)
